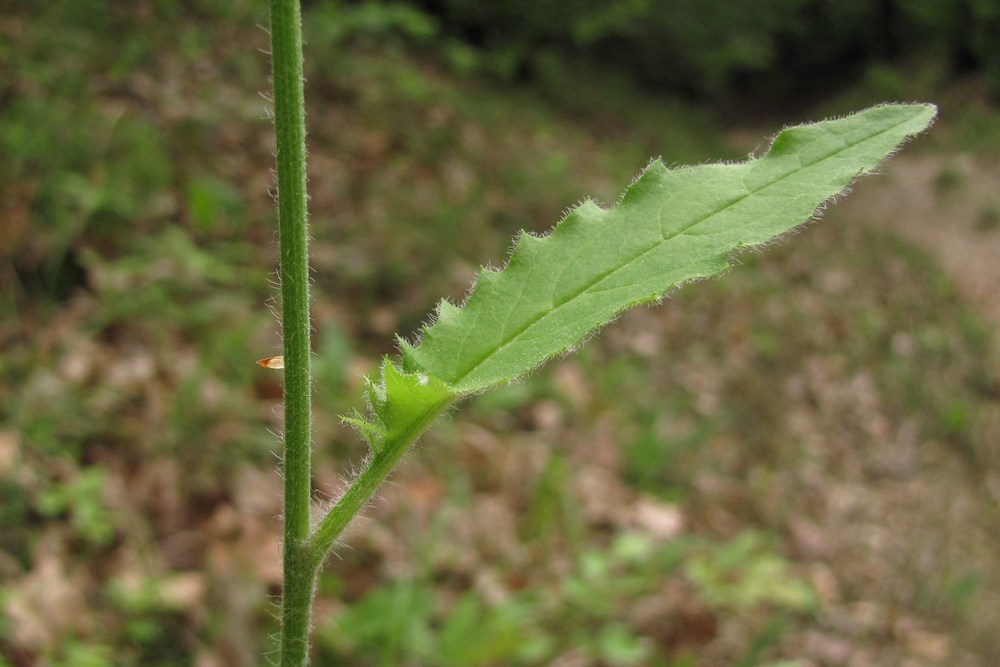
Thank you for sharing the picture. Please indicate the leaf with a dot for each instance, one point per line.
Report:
(672, 226)
(398, 405)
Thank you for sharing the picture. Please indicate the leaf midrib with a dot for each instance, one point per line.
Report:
(664, 239)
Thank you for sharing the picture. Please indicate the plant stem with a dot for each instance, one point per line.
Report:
(365, 485)
(290, 134)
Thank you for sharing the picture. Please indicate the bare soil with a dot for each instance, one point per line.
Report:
(949, 205)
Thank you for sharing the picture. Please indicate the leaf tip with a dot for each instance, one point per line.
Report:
(370, 432)
(407, 355)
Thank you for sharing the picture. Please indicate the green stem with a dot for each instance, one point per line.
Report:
(290, 134)
(365, 485)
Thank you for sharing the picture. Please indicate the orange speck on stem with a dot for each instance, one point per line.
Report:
(272, 362)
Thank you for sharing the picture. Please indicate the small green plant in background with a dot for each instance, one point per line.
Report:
(988, 218)
(672, 226)
(404, 622)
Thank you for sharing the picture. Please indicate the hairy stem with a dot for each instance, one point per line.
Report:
(289, 121)
(365, 485)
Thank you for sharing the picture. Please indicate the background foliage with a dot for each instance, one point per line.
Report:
(721, 47)
(804, 467)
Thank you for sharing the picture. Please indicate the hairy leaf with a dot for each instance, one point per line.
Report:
(671, 226)
(397, 403)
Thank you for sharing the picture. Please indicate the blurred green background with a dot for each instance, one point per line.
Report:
(796, 464)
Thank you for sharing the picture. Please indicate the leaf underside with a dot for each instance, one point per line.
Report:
(671, 226)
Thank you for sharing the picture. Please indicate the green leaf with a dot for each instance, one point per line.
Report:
(672, 226)
(399, 405)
